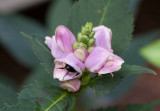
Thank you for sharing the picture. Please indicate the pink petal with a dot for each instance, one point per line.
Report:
(71, 85)
(112, 65)
(96, 59)
(70, 76)
(48, 41)
(64, 38)
(70, 59)
(103, 36)
(55, 50)
(59, 74)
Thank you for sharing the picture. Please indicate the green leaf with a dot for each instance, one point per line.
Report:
(131, 55)
(14, 42)
(134, 6)
(114, 108)
(7, 95)
(111, 13)
(43, 97)
(39, 74)
(134, 107)
(57, 13)
(105, 83)
(42, 52)
(142, 107)
(8, 82)
(151, 53)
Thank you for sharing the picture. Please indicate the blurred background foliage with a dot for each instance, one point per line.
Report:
(20, 67)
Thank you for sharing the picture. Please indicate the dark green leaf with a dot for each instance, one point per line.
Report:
(142, 107)
(151, 53)
(111, 13)
(5, 80)
(133, 107)
(43, 97)
(57, 14)
(14, 42)
(7, 95)
(134, 6)
(115, 108)
(39, 74)
(132, 56)
(42, 52)
(106, 83)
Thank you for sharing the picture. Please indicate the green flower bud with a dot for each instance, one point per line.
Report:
(85, 31)
(91, 42)
(83, 45)
(89, 26)
(83, 38)
(91, 34)
(75, 45)
(90, 49)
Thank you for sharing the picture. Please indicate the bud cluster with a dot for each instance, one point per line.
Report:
(85, 37)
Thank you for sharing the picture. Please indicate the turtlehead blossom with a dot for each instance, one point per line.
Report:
(101, 60)
(92, 51)
(67, 65)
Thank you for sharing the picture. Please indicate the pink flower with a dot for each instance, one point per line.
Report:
(71, 85)
(67, 65)
(102, 60)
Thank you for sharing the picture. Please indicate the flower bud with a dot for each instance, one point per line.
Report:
(89, 26)
(71, 85)
(85, 31)
(83, 45)
(81, 53)
(91, 41)
(83, 38)
(75, 45)
(91, 34)
(90, 49)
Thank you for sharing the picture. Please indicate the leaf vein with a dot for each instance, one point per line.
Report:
(104, 13)
(54, 102)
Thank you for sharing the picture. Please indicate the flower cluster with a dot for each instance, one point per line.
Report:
(92, 51)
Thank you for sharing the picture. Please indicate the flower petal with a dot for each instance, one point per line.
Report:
(64, 38)
(55, 50)
(70, 59)
(59, 74)
(103, 36)
(96, 59)
(48, 41)
(112, 65)
(71, 85)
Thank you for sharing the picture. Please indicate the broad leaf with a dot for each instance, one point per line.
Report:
(42, 52)
(133, 107)
(43, 97)
(131, 55)
(111, 13)
(57, 13)
(115, 108)
(134, 6)
(142, 107)
(8, 82)
(151, 53)
(7, 95)
(39, 74)
(106, 83)
(14, 42)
